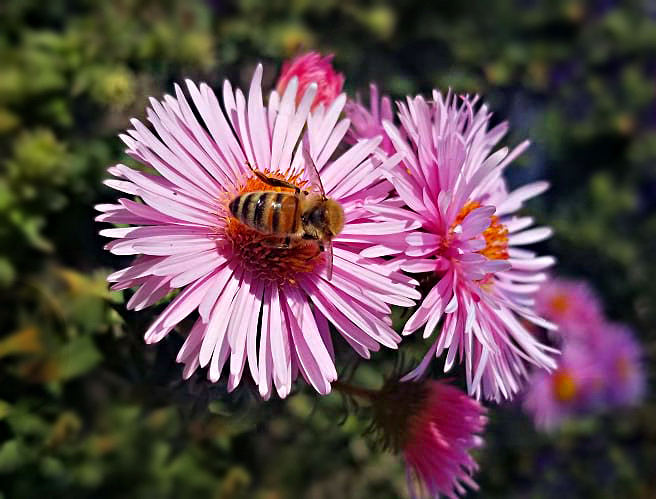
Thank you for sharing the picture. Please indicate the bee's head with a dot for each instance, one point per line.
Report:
(334, 217)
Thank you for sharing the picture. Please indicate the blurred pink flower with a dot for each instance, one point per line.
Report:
(268, 306)
(311, 68)
(572, 305)
(620, 356)
(574, 388)
(470, 242)
(435, 426)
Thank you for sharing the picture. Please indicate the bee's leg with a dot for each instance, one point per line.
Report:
(272, 181)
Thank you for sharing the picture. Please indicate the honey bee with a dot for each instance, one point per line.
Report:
(291, 218)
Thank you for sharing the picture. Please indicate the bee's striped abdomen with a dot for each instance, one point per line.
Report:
(267, 211)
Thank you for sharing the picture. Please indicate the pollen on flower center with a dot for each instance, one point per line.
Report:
(496, 235)
(260, 253)
(564, 386)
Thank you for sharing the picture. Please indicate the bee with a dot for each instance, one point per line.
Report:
(291, 218)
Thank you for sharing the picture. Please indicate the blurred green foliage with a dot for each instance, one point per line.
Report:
(87, 410)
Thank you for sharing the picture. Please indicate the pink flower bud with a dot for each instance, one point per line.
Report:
(312, 68)
(435, 426)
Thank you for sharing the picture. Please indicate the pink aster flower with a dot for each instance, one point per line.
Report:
(574, 388)
(572, 305)
(256, 303)
(312, 68)
(470, 243)
(435, 426)
(620, 357)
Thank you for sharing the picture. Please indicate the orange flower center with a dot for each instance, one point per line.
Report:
(560, 304)
(258, 252)
(496, 235)
(564, 386)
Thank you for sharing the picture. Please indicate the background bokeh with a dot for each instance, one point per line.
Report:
(88, 410)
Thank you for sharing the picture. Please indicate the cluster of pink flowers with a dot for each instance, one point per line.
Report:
(600, 366)
(423, 198)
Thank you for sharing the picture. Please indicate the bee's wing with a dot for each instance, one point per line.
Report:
(329, 260)
(312, 171)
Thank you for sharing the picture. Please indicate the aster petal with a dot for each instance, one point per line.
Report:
(315, 361)
(208, 153)
(515, 224)
(176, 133)
(330, 130)
(188, 353)
(279, 345)
(146, 215)
(244, 305)
(476, 222)
(265, 363)
(257, 125)
(252, 331)
(530, 236)
(178, 264)
(142, 266)
(223, 137)
(153, 152)
(151, 291)
(296, 124)
(181, 306)
(283, 117)
(121, 185)
(360, 341)
(218, 321)
(516, 198)
(162, 245)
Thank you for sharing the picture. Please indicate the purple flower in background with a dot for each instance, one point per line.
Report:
(620, 356)
(574, 388)
(257, 303)
(572, 305)
(470, 241)
(601, 364)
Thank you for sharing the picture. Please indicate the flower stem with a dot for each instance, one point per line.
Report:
(356, 391)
